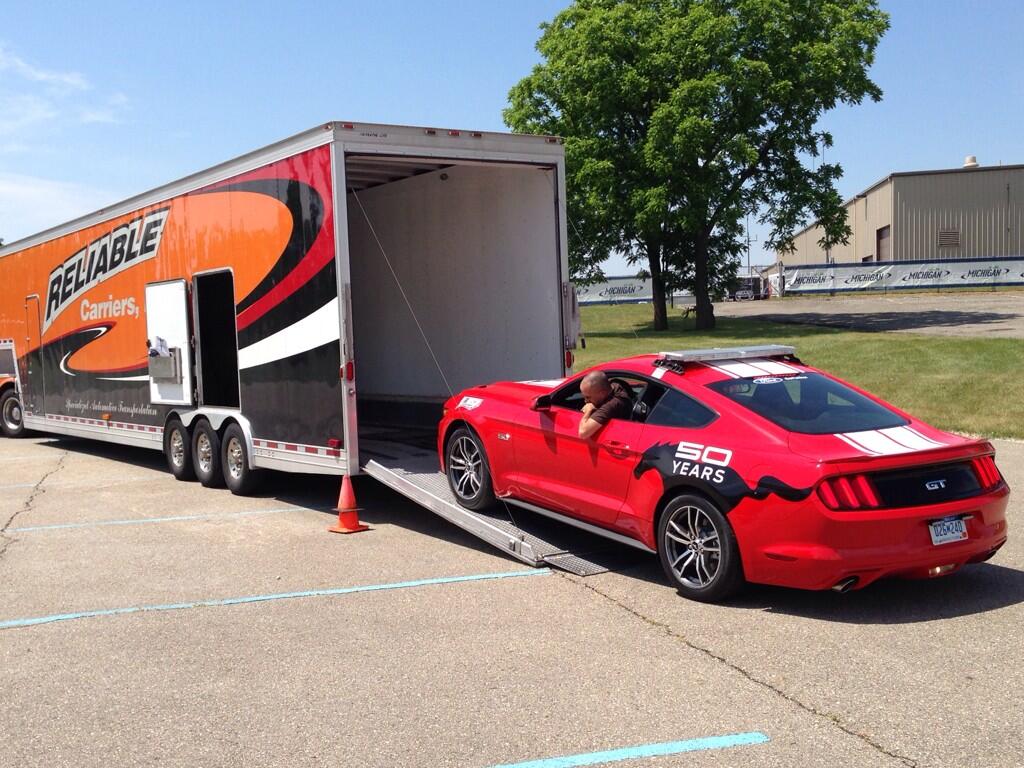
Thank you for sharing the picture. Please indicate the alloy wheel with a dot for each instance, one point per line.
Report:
(204, 453)
(235, 455)
(694, 546)
(466, 467)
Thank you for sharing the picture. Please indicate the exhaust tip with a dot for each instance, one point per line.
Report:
(845, 585)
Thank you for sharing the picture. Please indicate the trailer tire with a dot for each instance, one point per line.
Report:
(206, 455)
(469, 475)
(12, 415)
(178, 451)
(239, 477)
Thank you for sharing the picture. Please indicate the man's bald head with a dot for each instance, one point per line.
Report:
(595, 387)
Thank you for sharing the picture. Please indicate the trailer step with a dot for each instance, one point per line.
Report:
(416, 476)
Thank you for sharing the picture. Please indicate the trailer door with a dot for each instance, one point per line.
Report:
(169, 342)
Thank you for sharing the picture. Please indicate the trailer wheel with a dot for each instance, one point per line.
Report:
(12, 415)
(469, 477)
(206, 455)
(239, 477)
(178, 451)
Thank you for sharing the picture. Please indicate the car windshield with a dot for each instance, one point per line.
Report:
(809, 403)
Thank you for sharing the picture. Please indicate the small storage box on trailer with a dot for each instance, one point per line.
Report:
(289, 307)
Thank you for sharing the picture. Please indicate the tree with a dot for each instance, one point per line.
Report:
(681, 117)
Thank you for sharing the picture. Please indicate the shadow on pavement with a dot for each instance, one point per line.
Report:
(976, 589)
(891, 321)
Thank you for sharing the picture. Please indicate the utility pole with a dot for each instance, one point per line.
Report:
(749, 241)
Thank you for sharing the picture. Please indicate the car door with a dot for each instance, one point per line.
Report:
(584, 478)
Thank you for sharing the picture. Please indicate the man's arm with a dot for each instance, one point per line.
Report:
(588, 425)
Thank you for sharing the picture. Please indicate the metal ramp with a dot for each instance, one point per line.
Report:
(413, 472)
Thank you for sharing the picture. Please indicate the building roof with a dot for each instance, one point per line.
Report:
(936, 172)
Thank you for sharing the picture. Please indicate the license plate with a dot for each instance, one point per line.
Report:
(949, 530)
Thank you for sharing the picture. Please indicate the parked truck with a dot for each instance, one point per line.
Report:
(297, 308)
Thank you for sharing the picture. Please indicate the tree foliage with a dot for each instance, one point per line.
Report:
(682, 117)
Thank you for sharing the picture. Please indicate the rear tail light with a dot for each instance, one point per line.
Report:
(848, 492)
(987, 472)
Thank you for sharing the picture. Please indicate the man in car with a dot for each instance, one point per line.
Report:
(605, 400)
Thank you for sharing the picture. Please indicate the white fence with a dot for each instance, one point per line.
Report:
(623, 290)
(904, 275)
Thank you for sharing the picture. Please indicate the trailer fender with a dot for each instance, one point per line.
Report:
(219, 418)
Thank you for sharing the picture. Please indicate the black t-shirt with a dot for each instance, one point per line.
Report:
(618, 406)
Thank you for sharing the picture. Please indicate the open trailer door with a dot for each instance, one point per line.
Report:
(169, 341)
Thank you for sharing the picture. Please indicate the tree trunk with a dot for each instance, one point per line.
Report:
(657, 286)
(705, 309)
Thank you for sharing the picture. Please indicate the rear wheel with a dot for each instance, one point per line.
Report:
(12, 415)
(239, 477)
(698, 550)
(178, 450)
(468, 474)
(206, 455)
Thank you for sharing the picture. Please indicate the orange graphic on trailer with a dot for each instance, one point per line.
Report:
(81, 296)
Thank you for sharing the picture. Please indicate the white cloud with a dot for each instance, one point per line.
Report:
(13, 63)
(20, 112)
(29, 204)
(109, 113)
(100, 115)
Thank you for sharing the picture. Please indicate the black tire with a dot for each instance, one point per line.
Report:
(12, 415)
(239, 477)
(688, 560)
(178, 451)
(206, 455)
(469, 475)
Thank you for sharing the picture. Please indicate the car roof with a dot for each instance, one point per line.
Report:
(700, 373)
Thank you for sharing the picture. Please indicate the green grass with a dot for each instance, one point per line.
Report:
(965, 384)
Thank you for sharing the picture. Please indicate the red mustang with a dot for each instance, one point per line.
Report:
(735, 465)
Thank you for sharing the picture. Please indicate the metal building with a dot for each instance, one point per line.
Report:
(957, 213)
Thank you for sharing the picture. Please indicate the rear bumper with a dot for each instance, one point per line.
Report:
(813, 547)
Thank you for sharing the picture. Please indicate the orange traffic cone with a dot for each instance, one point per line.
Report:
(348, 515)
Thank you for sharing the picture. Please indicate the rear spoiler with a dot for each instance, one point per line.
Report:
(944, 453)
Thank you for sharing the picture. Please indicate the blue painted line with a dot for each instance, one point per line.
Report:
(645, 750)
(146, 520)
(13, 623)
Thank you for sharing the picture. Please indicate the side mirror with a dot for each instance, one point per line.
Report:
(541, 403)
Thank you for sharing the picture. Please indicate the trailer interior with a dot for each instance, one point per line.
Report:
(455, 268)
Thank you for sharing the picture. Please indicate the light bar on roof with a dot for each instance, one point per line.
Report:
(728, 353)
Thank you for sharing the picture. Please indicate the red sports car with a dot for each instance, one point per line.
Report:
(736, 465)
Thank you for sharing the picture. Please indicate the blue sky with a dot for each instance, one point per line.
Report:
(100, 101)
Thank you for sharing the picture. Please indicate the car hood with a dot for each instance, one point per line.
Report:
(524, 392)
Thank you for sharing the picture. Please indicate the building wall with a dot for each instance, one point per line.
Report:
(986, 208)
(865, 214)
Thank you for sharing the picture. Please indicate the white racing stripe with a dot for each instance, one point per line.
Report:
(774, 366)
(745, 369)
(889, 442)
(738, 369)
(314, 330)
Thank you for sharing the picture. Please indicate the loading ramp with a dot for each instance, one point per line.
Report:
(412, 470)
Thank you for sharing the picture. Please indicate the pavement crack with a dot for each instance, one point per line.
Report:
(7, 539)
(831, 718)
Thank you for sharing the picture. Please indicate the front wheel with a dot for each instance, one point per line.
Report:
(206, 455)
(239, 477)
(468, 474)
(698, 550)
(12, 415)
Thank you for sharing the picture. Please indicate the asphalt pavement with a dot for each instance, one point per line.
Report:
(146, 621)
